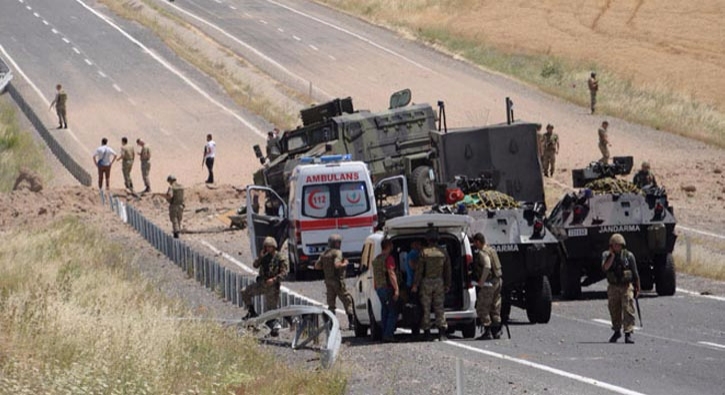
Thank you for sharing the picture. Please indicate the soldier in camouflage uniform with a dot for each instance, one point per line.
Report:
(487, 273)
(334, 267)
(644, 177)
(433, 276)
(175, 197)
(550, 148)
(59, 103)
(273, 267)
(604, 143)
(145, 156)
(127, 156)
(621, 268)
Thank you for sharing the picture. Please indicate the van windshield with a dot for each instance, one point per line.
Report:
(335, 200)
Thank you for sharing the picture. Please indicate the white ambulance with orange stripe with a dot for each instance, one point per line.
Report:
(329, 195)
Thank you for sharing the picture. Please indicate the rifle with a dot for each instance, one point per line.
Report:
(639, 312)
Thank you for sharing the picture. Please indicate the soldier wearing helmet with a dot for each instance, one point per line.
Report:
(487, 273)
(644, 177)
(433, 277)
(334, 266)
(620, 267)
(273, 267)
(175, 197)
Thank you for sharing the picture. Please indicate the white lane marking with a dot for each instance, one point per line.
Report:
(331, 57)
(549, 369)
(359, 37)
(40, 94)
(65, 40)
(609, 323)
(247, 46)
(693, 293)
(45, 22)
(279, 29)
(102, 74)
(720, 346)
(262, 21)
(701, 232)
(296, 38)
(172, 69)
(164, 131)
(88, 62)
(232, 7)
(35, 14)
(29, 7)
(314, 48)
(76, 50)
(133, 102)
(116, 87)
(218, 1)
(54, 31)
(247, 14)
(254, 272)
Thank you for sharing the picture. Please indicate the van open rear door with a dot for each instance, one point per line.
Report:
(266, 216)
(391, 198)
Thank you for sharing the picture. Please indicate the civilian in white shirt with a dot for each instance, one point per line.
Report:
(103, 158)
(209, 155)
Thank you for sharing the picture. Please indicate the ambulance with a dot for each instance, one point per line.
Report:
(328, 195)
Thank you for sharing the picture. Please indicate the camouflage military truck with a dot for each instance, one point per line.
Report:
(495, 177)
(392, 142)
(585, 220)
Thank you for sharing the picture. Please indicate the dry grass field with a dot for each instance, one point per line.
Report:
(662, 57)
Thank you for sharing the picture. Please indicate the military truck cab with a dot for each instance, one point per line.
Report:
(327, 195)
(460, 300)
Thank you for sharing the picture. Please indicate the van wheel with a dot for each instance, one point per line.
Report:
(422, 189)
(360, 329)
(376, 332)
(469, 330)
(665, 277)
(538, 300)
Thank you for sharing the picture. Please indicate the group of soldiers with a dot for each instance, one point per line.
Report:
(105, 157)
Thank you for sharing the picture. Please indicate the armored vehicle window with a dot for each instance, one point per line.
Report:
(295, 143)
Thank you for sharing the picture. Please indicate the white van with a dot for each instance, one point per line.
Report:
(327, 195)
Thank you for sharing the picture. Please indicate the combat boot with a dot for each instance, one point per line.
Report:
(442, 334)
(615, 336)
(496, 331)
(351, 322)
(628, 338)
(251, 313)
(486, 335)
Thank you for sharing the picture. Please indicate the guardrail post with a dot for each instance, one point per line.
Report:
(688, 249)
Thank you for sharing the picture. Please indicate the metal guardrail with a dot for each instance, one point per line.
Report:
(76, 170)
(5, 77)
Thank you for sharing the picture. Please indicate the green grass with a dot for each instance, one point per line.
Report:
(18, 149)
(76, 318)
(656, 106)
(706, 257)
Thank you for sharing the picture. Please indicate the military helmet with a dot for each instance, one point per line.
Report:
(170, 178)
(617, 238)
(270, 242)
(334, 240)
(645, 165)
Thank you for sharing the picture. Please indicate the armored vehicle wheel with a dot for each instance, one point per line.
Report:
(555, 279)
(571, 287)
(469, 330)
(505, 307)
(665, 275)
(422, 190)
(376, 332)
(646, 278)
(360, 329)
(538, 300)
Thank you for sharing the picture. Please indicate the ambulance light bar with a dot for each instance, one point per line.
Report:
(325, 158)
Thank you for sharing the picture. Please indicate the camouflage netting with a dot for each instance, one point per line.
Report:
(484, 200)
(612, 185)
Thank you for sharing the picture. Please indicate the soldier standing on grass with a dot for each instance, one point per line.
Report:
(487, 273)
(273, 267)
(433, 276)
(59, 102)
(334, 267)
(621, 268)
(175, 197)
(593, 88)
(145, 156)
(127, 156)
(550, 147)
(604, 143)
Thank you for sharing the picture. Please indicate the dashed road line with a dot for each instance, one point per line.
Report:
(102, 74)
(232, 7)
(314, 48)
(116, 87)
(29, 7)
(66, 40)
(693, 293)
(718, 346)
(247, 15)
(133, 102)
(279, 29)
(609, 323)
(35, 14)
(76, 50)
(54, 31)
(262, 21)
(45, 22)
(331, 57)
(88, 62)
(296, 38)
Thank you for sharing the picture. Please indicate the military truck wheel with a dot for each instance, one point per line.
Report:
(469, 330)
(665, 277)
(360, 329)
(538, 300)
(376, 332)
(571, 287)
(422, 190)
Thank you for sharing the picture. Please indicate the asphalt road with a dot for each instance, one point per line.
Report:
(125, 90)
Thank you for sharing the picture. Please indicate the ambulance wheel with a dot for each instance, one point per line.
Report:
(422, 188)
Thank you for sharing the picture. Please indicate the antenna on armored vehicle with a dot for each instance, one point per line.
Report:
(509, 111)
(442, 116)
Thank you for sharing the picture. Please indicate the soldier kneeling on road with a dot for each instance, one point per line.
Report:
(621, 268)
(273, 267)
(334, 267)
(487, 273)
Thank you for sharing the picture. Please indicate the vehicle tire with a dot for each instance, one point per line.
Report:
(376, 332)
(555, 279)
(469, 330)
(665, 278)
(505, 307)
(646, 278)
(422, 188)
(571, 287)
(360, 329)
(538, 300)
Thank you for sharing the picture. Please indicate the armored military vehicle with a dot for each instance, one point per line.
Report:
(392, 142)
(502, 158)
(584, 221)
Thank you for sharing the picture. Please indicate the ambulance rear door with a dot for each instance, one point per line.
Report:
(391, 198)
